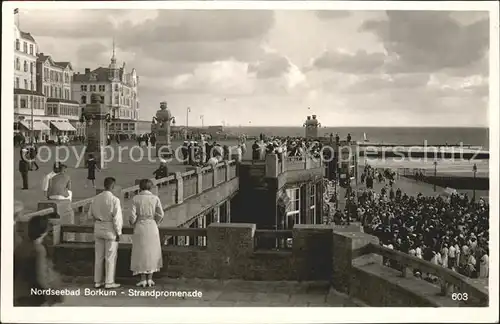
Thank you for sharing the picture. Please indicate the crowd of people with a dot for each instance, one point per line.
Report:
(285, 146)
(452, 231)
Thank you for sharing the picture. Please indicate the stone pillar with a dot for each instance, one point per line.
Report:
(179, 198)
(228, 170)
(215, 170)
(216, 217)
(312, 251)
(272, 166)
(199, 181)
(228, 211)
(96, 129)
(347, 246)
(230, 247)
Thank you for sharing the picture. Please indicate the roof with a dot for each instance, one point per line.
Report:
(64, 64)
(27, 92)
(101, 73)
(42, 58)
(49, 100)
(27, 36)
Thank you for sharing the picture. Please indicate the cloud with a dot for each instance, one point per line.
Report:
(86, 23)
(359, 62)
(272, 66)
(198, 26)
(430, 40)
(332, 14)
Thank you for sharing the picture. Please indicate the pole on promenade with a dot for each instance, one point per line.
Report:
(32, 102)
(188, 110)
(435, 174)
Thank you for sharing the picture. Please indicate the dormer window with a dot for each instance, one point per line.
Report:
(93, 77)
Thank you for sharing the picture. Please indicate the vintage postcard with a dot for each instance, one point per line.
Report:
(259, 161)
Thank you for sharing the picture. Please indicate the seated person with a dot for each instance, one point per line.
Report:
(60, 185)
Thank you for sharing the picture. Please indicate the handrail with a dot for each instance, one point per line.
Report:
(448, 276)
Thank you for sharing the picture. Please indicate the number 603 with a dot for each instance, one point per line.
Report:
(459, 296)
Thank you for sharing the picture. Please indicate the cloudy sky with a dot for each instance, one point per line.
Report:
(359, 68)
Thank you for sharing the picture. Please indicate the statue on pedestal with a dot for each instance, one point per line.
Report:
(311, 125)
(96, 116)
(161, 129)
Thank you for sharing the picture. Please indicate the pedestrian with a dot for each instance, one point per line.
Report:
(60, 185)
(91, 168)
(46, 179)
(147, 213)
(33, 269)
(24, 168)
(162, 171)
(106, 212)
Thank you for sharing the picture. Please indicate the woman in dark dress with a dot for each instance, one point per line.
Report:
(91, 167)
(32, 268)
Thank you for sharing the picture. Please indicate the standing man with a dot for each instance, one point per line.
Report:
(106, 212)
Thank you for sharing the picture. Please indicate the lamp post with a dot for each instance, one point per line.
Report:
(435, 174)
(32, 102)
(188, 110)
(202, 121)
(474, 169)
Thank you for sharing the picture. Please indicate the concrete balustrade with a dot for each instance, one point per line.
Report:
(173, 191)
(351, 261)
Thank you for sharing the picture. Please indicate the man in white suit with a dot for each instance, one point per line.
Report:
(106, 212)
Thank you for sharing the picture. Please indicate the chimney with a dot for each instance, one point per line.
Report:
(87, 70)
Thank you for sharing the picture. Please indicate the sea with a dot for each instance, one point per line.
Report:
(476, 136)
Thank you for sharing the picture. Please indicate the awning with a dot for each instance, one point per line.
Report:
(38, 126)
(63, 126)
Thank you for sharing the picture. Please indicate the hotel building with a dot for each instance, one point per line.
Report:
(118, 89)
(28, 100)
(54, 81)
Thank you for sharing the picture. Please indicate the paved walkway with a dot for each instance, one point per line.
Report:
(227, 293)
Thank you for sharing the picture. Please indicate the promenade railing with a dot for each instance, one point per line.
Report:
(182, 186)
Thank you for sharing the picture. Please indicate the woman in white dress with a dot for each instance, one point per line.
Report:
(147, 213)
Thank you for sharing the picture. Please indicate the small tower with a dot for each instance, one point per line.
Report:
(114, 71)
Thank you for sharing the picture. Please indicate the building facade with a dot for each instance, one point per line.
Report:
(118, 89)
(28, 100)
(54, 81)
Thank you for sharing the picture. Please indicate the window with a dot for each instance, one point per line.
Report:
(25, 84)
(18, 44)
(116, 87)
(293, 213)
(24, 102)
(32, 70)
(25, 47)
(31, 49)
(17, 83)
(84, 99)
(102, 99)
(51, 91)
(31, 86)
(102, 88)
(46, 74)
(92, 87)
(83, 87)
(16, 101)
